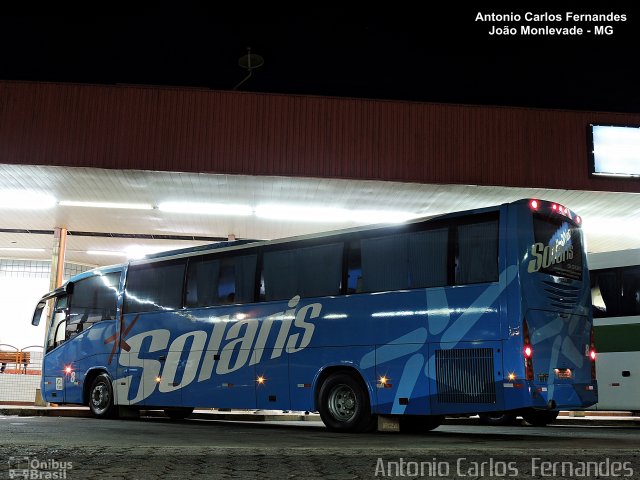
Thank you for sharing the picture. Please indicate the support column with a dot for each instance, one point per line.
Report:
(55, 280)
(57, 258)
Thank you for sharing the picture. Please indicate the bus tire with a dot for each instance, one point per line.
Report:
(420, 423)
(540, 418)
(344, 404)
(497, 418)
(178, 413)
(101, 397)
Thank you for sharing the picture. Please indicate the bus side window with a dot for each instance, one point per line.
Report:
(355, 282)
(605, 294)
(202, 282)
(476, 255)
(309, 272)
(154, 286)
(630, 291)
(354, 268)
(428, 258)
(227, 282)
(220, 281)
(385, 264)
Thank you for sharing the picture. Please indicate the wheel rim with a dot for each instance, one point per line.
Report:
(100, 398)
(342, 403)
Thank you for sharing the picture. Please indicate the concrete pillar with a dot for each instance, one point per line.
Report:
(57, 258)
(55, 280)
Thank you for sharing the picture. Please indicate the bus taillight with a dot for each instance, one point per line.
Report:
(534, 204)
(528, 353)
(592, 355)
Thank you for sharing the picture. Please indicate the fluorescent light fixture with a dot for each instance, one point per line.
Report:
(615, 151)
(135, 252)
(106, 253)
(18, 249)
(205, 208)
(304, 214)
(381, 216)
(25, 200)
(128, 206)
(321, 214)
(629, 228)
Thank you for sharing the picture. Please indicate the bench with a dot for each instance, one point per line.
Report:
(19, 359)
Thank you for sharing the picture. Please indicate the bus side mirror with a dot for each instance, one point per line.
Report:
(37, 315)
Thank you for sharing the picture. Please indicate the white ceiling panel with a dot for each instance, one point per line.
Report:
(611, 220)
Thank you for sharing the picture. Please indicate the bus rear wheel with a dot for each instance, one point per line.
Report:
(344, 404)
(101, 397)
(540, 418)
(497, 418)
(178, 413)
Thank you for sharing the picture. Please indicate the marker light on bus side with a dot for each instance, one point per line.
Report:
(528, 352)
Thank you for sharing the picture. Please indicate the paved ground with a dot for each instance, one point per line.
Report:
(608, 419)
(154, 447)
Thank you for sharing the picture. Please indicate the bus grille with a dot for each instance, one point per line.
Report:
(561, 296)
(465, 376)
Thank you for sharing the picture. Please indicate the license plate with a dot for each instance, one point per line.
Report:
(563, 373)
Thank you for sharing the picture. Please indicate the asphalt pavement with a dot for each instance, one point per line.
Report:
(586, 418)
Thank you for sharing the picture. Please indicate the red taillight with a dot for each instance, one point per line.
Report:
(592, 355)
(578, 219)
(534, 204)
(528, 353)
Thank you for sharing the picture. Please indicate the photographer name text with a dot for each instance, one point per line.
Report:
(546, 24)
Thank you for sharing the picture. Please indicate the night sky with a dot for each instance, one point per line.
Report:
(410, 55)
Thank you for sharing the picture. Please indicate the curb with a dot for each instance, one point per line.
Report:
(83, 412)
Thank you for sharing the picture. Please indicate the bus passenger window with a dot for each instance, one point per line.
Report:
(220, 281)
(202, 282)
(354, 269)
(385, 263)
(227, 283)
(155, 286)
(428, 258)
(604, 294)
(630, 291)
(308, 272)
(477, 252)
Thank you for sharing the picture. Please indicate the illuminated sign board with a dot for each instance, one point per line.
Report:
(615, 151)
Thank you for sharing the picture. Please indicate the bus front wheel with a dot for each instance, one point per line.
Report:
(420, 423)
(101, 397)
(540, 418)
(344, 404)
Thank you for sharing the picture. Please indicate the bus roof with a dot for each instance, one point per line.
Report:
(241, 244)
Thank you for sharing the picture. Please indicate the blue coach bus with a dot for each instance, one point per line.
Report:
(479, 311)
